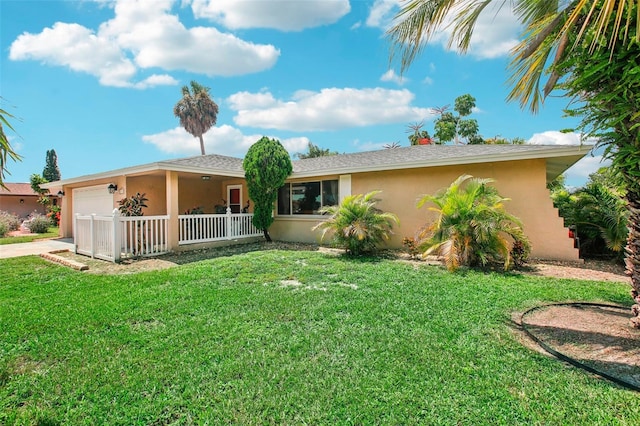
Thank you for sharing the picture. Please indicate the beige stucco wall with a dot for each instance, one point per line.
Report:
(12, 204)
(195, 192)
(154, 189)
(522, 181)
(66, 203)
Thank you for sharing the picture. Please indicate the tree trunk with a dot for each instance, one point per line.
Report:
(632, 259)
(266, 235)
(201, 145)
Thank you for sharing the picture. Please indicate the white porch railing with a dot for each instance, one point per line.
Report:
(115, 237)
(118, 237)
(202, 228)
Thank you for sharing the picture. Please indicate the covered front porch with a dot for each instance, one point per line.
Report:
(118, 237)
(185, 210)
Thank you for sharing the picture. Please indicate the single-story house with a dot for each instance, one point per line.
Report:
(20, 199)
(207, 184)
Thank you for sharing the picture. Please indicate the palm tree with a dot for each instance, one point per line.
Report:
(6, 151)
(357, 225)
(472, 227)
(197, 111)
(592, 45)
(548, 26)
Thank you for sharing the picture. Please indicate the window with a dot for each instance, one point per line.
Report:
(299, 198)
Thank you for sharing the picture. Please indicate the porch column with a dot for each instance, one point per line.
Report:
(66, 218)
(172, 209)
(344, 186)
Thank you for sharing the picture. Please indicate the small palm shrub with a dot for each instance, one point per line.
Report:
(38, 224)
(3, 229)
(356, 224)
(11, 221)
(472, 227)
(599, 213)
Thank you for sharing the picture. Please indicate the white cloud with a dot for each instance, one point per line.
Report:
(578, 174)
(156, 80)
(159, 39)
(141, 37)
(392, 76)
(78, 48)
(382, 12)
(553, 137)
(427, 80)
(246, 100)
(495, 33)
(15, 143)
(223, 140)
(368, 146)
(285, 15)
(329, 109)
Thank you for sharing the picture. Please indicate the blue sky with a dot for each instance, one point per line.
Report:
(97, 80)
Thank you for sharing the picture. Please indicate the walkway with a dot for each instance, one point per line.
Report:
(35, 247)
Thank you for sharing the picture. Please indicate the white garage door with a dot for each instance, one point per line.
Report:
(94, 199)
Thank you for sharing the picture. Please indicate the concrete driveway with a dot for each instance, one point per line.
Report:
(35, 247)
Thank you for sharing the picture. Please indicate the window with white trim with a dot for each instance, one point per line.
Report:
(307, 198)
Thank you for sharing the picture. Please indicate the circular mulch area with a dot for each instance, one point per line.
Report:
(598, 337)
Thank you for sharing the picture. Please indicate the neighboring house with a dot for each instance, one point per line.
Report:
(175, 187)
(20, 199)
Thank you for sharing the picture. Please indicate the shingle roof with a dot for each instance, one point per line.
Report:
(559, 158)
(429, 156)
(17, 189)
(212, 161)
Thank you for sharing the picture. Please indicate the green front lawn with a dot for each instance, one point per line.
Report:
(51, 233)
(284, 337)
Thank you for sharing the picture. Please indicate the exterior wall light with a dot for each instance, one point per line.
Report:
(60, 194)
(112, 188)
(206, 177)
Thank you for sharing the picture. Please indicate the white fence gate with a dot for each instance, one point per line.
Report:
(116, 237)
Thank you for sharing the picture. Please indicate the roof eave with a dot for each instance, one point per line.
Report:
(574, 151)
(136, 170)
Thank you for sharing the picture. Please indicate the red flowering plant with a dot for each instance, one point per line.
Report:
(53, 214)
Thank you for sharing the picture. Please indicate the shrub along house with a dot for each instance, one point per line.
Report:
(212, 184)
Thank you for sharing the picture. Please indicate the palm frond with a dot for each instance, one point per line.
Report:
(414, 25)
(6, 150)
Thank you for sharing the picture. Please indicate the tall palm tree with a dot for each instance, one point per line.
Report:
(197, 111)
(589, 48)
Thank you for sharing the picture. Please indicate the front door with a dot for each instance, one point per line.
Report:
(234, 195)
